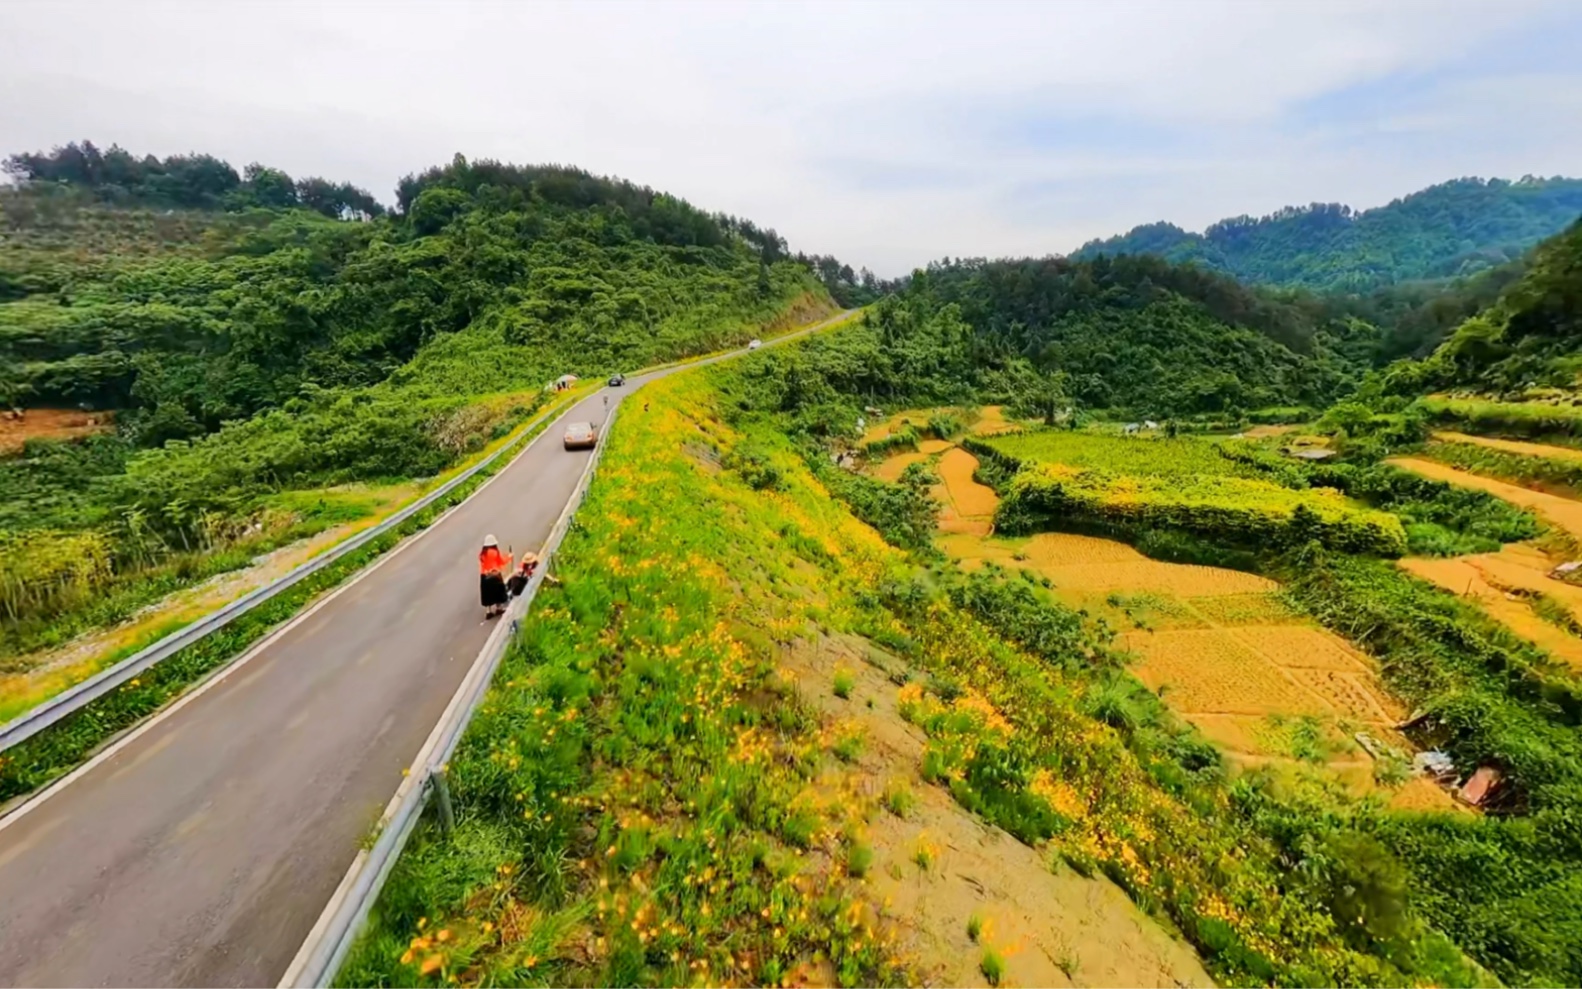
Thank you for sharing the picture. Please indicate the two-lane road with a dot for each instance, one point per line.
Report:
(200, 849)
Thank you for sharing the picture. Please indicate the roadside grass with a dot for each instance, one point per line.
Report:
(639, 800)
(638, 735)
(285, 518)
(63, 746)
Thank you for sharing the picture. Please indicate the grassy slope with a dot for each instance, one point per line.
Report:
(145, 522)
(638, 735)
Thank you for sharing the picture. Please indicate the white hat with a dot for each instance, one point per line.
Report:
(489, 540)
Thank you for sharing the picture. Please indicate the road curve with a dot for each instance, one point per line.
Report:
(200, 849)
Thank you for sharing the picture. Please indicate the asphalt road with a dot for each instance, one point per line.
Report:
(200, 849)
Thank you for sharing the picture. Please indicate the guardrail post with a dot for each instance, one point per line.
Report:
(447, 813)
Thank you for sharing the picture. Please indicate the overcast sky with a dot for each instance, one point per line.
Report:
(885, 133)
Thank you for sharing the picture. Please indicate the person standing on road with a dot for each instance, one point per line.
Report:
(492, 568)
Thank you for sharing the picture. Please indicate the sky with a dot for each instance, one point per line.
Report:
(886, 133)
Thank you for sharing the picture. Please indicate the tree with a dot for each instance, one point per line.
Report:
(268, 187)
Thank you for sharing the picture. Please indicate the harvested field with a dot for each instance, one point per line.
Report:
(1419, 793)
(1209, 671)
(1563, 513)
(1223, 647)
(50, 424)
(1237, 734)
(1347, 694)
(1155, 612)
(1521, 447)
(1262, 432)
(1180, 579)
(970, 499)
(1054, 549)
(893, 467)
(1302, 647)
(1255, 608)
(991, 420)
(1503, 585)
(916, 418)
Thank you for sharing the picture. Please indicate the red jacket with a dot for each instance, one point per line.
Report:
(491, 560)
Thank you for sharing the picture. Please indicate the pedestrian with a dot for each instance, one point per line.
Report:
(492, 568)
(518, 582)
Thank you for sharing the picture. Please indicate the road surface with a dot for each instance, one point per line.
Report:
(200, 849)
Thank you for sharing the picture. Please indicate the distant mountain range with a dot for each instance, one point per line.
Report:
(1446, 230)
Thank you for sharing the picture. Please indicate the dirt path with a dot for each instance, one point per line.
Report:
(50, 424)
(1562, 513)
(1513, 446)
(1052, 926)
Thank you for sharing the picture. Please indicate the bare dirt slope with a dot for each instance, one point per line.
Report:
(1052, 926)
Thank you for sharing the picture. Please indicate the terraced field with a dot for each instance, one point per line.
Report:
(1222, 647)
(1564, 513)
(1513, 586)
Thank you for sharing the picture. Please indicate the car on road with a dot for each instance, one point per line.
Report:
(581, 436)
(755, 345)
(617, 380)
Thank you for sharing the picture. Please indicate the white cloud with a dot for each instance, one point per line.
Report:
(887, 133)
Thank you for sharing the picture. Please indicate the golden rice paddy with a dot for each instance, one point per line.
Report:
(1222, 647)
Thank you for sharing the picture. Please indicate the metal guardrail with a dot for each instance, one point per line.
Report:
(332, 936)
(324, 950)
(76, 698)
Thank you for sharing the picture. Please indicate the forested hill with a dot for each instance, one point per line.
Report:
(194, 181)
(187, 312)
(1531, 337)
(1133, 335)
(1451, 229)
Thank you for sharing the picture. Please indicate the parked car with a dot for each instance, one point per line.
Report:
(581, 436)
(617, 380)
(755, 345)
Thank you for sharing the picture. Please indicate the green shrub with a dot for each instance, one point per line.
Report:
(1518, 420)
(1238, 510)
(1518, 468)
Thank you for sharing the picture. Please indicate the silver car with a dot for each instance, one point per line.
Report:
(581, 436)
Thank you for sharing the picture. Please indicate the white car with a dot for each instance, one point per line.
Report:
(755, 345)
(581, 436)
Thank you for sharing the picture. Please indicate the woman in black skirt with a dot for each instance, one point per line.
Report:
(492, 568)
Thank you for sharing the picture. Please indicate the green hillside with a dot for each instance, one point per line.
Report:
(249, 351)
(1135, 335)
(1449, 229)
(1514, 367)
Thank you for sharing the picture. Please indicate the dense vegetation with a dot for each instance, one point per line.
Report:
(682, 788)
(1485, 696)
(1066, 480)
(638, 770)
(1528, 339)
(1445, 230)
(253, 353)
(195, 181)
(1133, 335)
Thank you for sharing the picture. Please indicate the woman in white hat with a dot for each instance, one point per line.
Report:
(492, 568)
